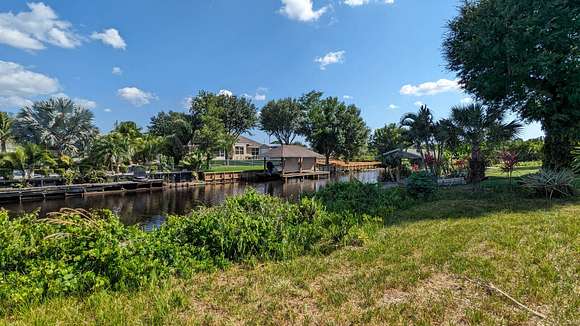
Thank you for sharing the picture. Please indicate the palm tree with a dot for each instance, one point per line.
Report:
(478, 124)
(419, 129)
(111, 150)
(57, 124)
(5, 130)
(28, 158)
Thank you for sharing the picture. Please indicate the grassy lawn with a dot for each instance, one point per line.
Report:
(427, 265)
(433, 263)
(235, 168)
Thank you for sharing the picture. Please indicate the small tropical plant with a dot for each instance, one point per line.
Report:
(550, 183)
(576, 160)
(421, 185)
(509, 160)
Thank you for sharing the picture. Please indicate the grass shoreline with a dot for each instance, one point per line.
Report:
(412, 270)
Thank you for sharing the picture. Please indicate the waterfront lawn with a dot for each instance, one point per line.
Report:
(235, 168)
(425, 266)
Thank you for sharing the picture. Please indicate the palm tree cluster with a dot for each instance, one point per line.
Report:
(473, 125)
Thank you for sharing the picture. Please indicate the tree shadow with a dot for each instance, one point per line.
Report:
(464, 202)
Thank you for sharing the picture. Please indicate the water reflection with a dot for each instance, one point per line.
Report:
(150, 208)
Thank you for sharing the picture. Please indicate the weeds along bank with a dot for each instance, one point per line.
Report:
(75, 252)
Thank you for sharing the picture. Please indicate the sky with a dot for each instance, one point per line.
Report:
(128, 60)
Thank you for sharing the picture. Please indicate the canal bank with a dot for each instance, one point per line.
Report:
(150, 207)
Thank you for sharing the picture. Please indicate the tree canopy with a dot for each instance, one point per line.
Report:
(57, 124)
(283, 119)
(333, 128)
(523, 55)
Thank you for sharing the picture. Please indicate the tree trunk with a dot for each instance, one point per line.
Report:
(558, 146)
(3, 146)
(476, 165)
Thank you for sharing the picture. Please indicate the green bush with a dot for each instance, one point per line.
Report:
(421, 185)
(76, 252)
(360, 198)
(550, 183)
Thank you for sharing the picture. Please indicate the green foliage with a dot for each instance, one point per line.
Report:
(527, 150)
(576, 162)
(522, 56)
(421, 185)
(177, 130)
(361, 198)
(76, 252)
(57, 124)
(70, 176)
(550, 182)
(28, 159)
(332, 127)
(283, 119)
(236, 115)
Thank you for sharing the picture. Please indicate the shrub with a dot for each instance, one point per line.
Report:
(360, 198)
(76, 252)
(421, 184)
(550, 183)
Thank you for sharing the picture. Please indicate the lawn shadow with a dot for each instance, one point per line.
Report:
(465, 202)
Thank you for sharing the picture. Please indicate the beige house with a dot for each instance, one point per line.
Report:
(244, 149)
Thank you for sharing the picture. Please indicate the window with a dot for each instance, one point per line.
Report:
(239, 150)
(220, 153)
(255, 151)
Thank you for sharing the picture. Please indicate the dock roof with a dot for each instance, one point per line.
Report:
(283, 151)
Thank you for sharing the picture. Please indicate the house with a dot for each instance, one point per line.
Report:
(244, 149)
(293, 158)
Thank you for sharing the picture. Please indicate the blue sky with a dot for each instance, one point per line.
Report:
(382, 55)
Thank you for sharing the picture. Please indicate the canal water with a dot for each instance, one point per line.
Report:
(149, 209)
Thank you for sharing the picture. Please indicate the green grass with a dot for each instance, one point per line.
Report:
(235, 168)
(415, 270)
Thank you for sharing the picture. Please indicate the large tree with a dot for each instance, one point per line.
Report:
(388, 138)
(177, 129)
(58, 124)
(236, 114)
(477, 124)
(419, 129)
(333, 128)
(283, 119)
(523, 55)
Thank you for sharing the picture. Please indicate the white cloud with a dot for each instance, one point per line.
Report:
(347, 97)
(225, 92)
(431, 88)
(259, 96)
(30, 30)
(87, 104)
(356, 3)
(418, 104)
(117, 71)
(17, 84)
(393, 106)
(110, 37)
(466, 100)
(136, 96)
(301, 10)
(14, 102)
(107, 110)
(330, 58)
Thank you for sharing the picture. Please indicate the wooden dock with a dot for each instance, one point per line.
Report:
(78, 190)
(337, 165)
(304, 175)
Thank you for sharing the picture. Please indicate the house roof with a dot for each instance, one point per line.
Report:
(402, 154)
(247, 141)
(290, 151)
